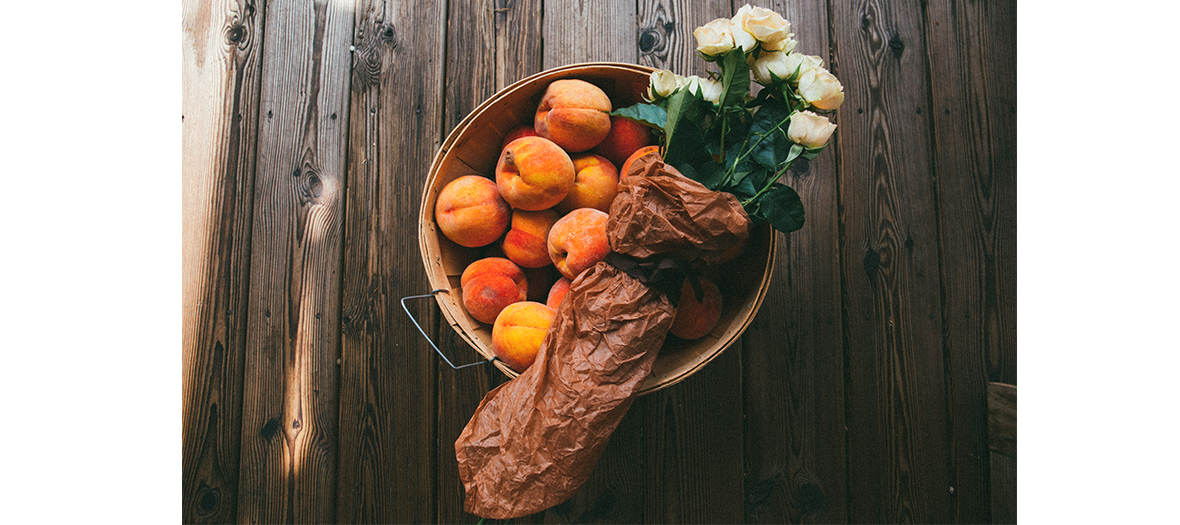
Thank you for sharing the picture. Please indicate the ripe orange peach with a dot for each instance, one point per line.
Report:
(525, 242)
(596, 182)
(578, 241)
(522, 131)
(470, 211)
(733, 252)
(557, 292)
(518, 332)
(491, 284)
(573, 113)
(639, 153)
(534, 173)
(695, 319)
(624, 138)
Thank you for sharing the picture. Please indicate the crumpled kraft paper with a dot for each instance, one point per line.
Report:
(534, 440)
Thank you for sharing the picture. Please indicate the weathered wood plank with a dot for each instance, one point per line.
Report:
(896, 396)
(1003, 488)
(289, 414)
(497, 46)
(972, 57)
(221, 70)
(388, 404)
(588, 32)
(1001, 418)
(793, 365)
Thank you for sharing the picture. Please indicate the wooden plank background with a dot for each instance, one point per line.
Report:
(858, 394)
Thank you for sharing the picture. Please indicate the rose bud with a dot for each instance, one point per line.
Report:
(810, 130)
(802, 63)
(663, 83)
(821, 89)
(715, 38)
(711, 90)
(763, 66)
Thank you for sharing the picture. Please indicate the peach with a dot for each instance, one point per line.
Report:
(534, 173)
(695, 319)
(525, 242)
(518, 332)
(522, 131)
(624, 138)
(596, 182)
(732, 252)
(491, 284)
(557, 292)
(470, 211)
(573, 113)
(578, 241)
(639, 154)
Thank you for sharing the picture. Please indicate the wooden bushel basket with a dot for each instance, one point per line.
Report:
(473, 148)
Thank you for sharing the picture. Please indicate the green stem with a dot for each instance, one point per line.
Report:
(732, 169)
(770, 184)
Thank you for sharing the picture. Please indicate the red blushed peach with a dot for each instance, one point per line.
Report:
(695, 319)
(596, 182)
(534, 173)
(578, 241)
(523, 131)
(573, 113)
(470, 211)
(624, 138)
(639, 154)
(557, 292)
(525, 242)
(518, 332)
(491, 284)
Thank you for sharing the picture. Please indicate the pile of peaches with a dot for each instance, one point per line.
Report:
(547, 209)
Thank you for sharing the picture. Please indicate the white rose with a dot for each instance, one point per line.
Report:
(821, 89)
(810, 130)
(663, 83)
(768, 63)
(765, 25)
(711, 90)
(715, 38)
(786, 45)
(802, 63)
(691, 83)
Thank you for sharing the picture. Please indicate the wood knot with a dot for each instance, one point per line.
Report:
(872, 263)
(235, 34)
(896, 45)
(208, 500)
(270, 429)
(389, 36)
(648, 40)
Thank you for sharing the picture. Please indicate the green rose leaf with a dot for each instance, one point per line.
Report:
(685, 142)
(649, 115)
(782, 208)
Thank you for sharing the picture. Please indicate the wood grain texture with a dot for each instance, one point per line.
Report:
(1003, 492)
(495, 50)
(388, 404)
(290, 406)
(895, 391)
(1001, 418)
(222, 71)
(972, 58)
(793, 368)
(585, 31)
(692, 445)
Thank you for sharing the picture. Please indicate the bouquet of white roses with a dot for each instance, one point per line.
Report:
(714, 131)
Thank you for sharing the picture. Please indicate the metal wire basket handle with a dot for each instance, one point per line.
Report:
(423, 332)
